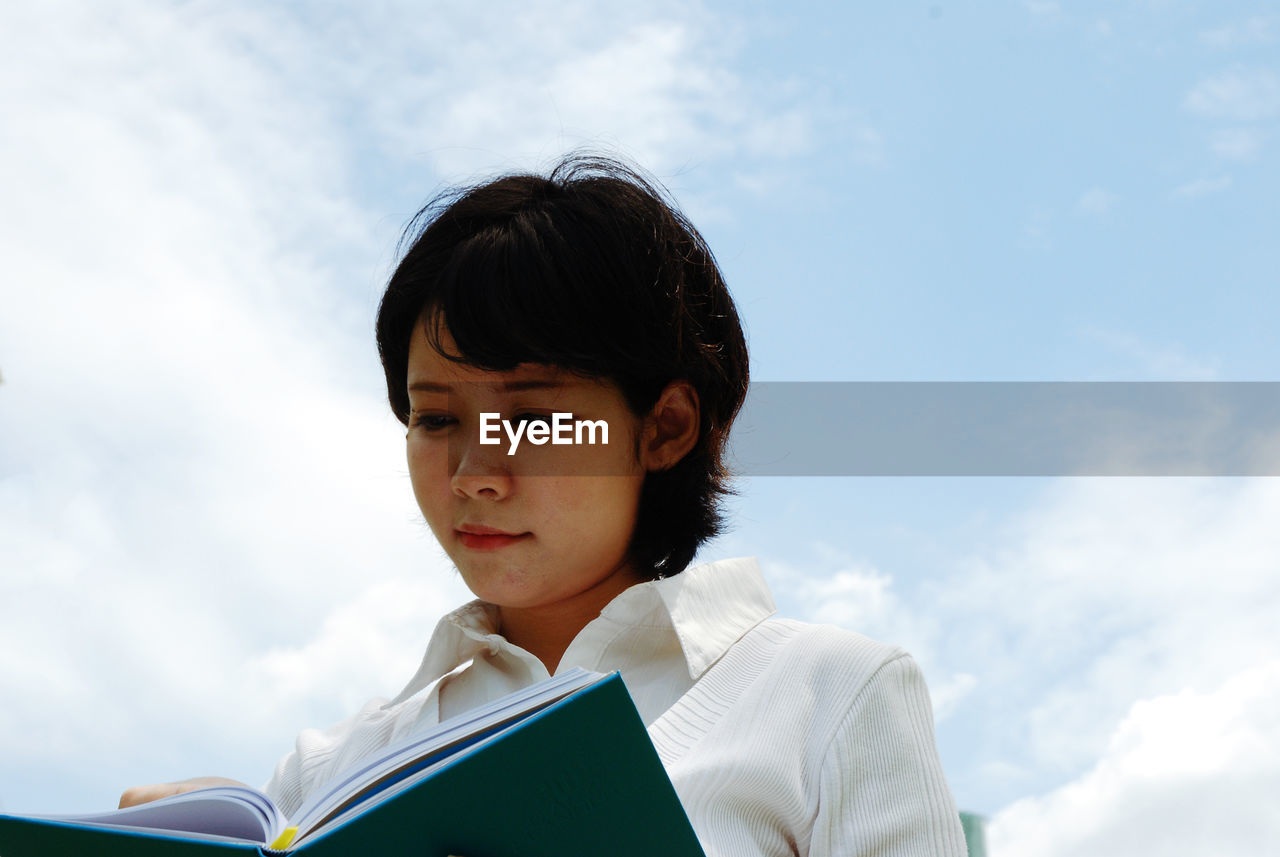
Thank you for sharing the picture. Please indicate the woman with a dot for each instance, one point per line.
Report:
(585, 294)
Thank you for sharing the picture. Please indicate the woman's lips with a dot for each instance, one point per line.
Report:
(487, 538)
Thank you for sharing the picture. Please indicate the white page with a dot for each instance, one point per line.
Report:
(231, 812)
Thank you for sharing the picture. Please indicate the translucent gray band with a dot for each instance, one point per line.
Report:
(1009, 429)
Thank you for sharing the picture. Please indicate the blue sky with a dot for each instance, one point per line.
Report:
(207, 539)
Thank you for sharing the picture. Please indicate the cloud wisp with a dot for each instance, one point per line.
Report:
(1183, 774)
(1239, 94)
(1071, 649)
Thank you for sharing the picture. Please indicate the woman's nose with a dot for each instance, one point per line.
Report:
(479, 470)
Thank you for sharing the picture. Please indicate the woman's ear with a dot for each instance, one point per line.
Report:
(671, 429)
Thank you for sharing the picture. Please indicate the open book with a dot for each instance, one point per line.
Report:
(562, 767)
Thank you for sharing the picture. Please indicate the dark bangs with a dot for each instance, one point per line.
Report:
(586, 269)
(566, 291)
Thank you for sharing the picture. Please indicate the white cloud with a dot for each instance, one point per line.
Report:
(1097, 201)
(368, 646)
(1044, 8)
(182, 374)
(1257, 30)
(1201, 187)
(1184, 774)
(1087, 597)
(1037, 229)
(472, 89)
(1155, 362)
(1236, 144)
(949, 694)
(852, 594)
(1123, 590)
(868, 145)
(1238, 94)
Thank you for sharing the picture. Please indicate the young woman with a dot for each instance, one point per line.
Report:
(585, 294)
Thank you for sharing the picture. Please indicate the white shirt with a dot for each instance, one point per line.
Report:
(781, 738)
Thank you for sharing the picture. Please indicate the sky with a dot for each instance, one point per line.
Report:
(207, 537)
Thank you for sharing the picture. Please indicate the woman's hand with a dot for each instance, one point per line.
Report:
(146, 794)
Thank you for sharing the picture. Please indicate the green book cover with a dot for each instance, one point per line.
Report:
(575, 779)
(24, 837)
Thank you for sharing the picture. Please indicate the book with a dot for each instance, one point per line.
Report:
(564, 767)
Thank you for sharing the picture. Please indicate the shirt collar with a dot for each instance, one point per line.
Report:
(459, 637)
(709, 606)
(712, 606)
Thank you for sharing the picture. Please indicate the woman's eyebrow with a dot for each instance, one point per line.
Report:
(521, 386)
(430, 387)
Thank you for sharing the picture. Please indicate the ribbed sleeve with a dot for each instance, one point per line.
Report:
(809, 740)
(881, 789)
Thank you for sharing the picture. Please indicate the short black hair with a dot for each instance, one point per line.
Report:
(591, 269)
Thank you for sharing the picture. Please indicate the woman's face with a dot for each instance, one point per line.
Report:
(548, 525)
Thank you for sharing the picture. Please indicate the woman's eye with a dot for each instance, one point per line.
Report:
(430, 422)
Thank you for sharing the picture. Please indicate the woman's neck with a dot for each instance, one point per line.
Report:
(546, 630)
